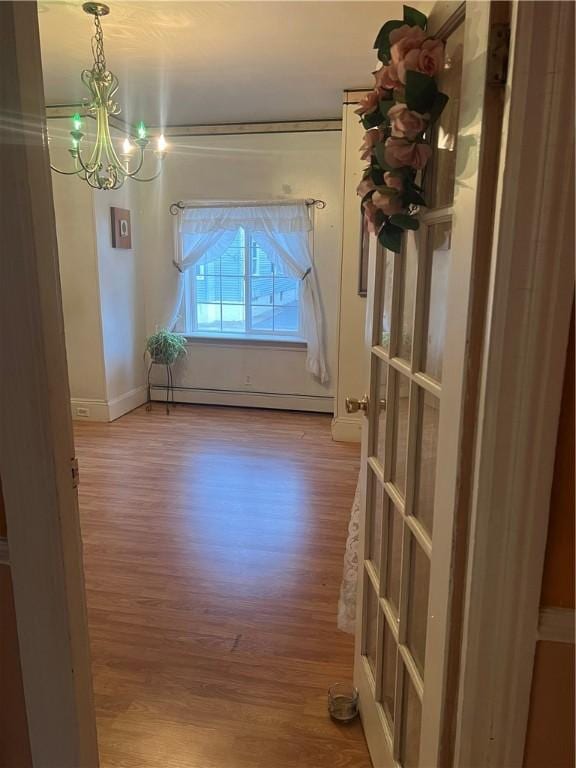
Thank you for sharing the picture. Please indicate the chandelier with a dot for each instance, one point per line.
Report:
(103, 167)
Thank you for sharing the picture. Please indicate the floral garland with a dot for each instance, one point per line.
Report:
(397, 115)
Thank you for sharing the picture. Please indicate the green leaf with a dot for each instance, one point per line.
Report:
(421, 91)
(385, 105)
(390, 237)
(379, 153)
(404, 221)
(382, 42)
(411, 196)
(372, 120)
(414, 18)
(438, 106)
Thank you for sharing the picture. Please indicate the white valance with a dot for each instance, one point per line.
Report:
(284, 217)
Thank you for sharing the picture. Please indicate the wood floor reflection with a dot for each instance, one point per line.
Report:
(213, 546)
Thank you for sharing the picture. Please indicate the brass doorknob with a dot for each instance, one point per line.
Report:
(353, 405)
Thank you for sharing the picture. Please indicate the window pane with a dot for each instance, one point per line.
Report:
(286, 319)
(374, 524)
(232, 290)
(411, 720)
(233, 259)
(387, 278)
(208, 317)
(418, 604)
(388, 672)
(371, 640)
(380, 422)
(439, 244)
(408, 297)
(400, 416)
(262, 290)
(393, 556)
(285, 291)
(441, 172)
(262, 318)
(233, 318)
(260, 264)
(207, 287)
(211, 267)
(429, 412)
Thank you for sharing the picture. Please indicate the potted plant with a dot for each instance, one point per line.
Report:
(165, 347)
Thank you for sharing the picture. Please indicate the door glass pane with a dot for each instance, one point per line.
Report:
(410, 259)
(388, 672)
(439, 243)
(429, 412)
(393, 557)
(374, 514)
(442, 171)
(371, 640)
(411, 721)
(381, 374)
(387, 278)
(400, 415)
(417, 622)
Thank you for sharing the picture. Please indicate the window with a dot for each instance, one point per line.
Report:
(241, 291)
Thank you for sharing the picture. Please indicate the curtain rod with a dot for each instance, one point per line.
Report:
(175, 208)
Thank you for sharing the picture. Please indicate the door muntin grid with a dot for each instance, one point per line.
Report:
(402, 461)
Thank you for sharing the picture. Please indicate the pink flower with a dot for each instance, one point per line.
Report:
(387, 203)
(428, 59)
(393, 181)
(370, 217)
(406, 123)
(404, 39)
(401, 152)
(371, 138)
(386, 79)
(368, 104)
(365, 186)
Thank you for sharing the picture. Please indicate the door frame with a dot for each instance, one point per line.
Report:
(527, 324)
(43, 548)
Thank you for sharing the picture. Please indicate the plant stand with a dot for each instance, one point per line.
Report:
(169, 386)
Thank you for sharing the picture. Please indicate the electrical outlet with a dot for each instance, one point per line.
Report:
(85, 412)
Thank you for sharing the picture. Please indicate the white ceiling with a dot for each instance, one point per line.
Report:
(189, 63)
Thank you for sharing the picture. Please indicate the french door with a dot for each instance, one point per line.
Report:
(417, 333)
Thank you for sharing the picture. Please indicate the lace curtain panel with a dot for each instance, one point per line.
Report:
(282, 231)
(347, 601)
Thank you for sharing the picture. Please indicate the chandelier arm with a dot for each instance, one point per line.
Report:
(149, 178)
(66, 173)
(131, 174)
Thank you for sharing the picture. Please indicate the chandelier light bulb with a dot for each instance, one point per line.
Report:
(127, 147)
(162, 144)
(76, 121)
(141, 130)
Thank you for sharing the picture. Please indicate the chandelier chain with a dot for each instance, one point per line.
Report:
(98, 47)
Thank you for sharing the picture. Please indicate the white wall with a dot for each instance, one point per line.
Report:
(121, 296)
(80, 284)
(351, 378)
(102, 294)
(257, 167)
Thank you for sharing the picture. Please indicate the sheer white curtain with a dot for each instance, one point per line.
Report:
(282, 231)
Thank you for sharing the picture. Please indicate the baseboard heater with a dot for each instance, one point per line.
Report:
(244, 399)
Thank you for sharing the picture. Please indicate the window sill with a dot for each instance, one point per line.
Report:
(248, 340)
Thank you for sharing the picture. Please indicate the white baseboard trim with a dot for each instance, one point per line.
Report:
(127, 402)
(313, 403)
(107, 410)
(346, 430)
(556, 625)
(86, 409)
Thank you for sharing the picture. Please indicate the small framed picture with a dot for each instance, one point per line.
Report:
(363, 261)
(121, 230)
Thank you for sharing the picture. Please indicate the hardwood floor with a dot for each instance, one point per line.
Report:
(213, 543)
